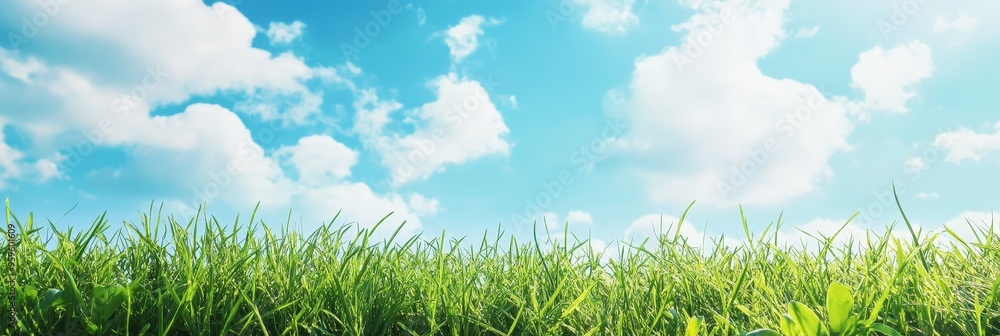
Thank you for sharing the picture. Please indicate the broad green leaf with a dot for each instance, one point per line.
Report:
(91, 328)
(806, 319)
(763, 332)
(693, 326)
(28, 294)
(839, 302)
(787, 325)
(106, 301)
(52, 299)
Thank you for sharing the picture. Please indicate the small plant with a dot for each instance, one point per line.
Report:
(93, 313)
(802, 321)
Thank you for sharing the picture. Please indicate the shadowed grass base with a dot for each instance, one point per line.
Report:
(197, 277)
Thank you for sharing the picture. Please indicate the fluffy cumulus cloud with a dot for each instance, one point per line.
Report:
(19, 69)
(609, 16)
(460, 125)
(463, 38)
(579, 217)
(915, 164)
(653, 226)
(575, 218)
(960, 23)
(102, 98)
(206, 50)
(284, 33)
(966, 144)
(319, 159)
(423, 205)
(14, 164)
(734, 134)
(956, 22)
(887, 75)
(807, 32)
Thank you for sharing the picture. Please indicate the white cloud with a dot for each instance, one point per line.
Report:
(10, 168)
(915, 164)
(284, 33)
(577, 217)
(807, 32)
(205, 50)
(359, 205)
(961, 23)
(928, 196)
(155, 54)
(733, 134)
(319, 159)
(652, 226)
(203, 53)
(965, 144)
(424, 206)
(462, 124)
(463, 39)
(550, 220)
(601, 247)
(14, 164)
(886, 76)
(47, 170)
(220, 159)
(19, 69)
(230, 167)
(609, 16)
(574, 218)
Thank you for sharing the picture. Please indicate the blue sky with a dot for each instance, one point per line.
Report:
(469, 116)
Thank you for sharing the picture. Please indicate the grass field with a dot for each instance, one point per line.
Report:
(166, 276)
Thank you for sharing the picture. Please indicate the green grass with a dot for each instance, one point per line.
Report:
(163, 276)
